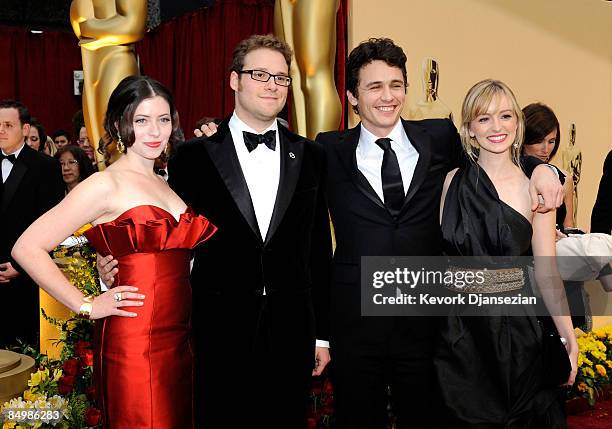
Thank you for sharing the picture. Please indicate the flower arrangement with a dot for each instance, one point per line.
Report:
(60, 393)
(594, 364)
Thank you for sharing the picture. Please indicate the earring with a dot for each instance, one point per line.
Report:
(120, 145)
(515, 144)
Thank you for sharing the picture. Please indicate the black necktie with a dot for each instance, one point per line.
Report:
(251, 140)
(10, 157)
(393, 187)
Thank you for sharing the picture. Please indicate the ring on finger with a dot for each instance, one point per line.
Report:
(117, 296)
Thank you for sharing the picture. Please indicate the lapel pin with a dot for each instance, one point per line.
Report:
(291, 155)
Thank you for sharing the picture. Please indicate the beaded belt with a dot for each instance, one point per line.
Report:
(493, 281)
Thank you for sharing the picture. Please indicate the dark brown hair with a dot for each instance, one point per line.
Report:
(24, 113)
(382, 49)
(540, 121)
(122, 104)
(42, 136)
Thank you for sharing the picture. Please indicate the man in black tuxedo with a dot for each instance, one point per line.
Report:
(385, 179)
(601, 217)
(260, 284)
(31, 184)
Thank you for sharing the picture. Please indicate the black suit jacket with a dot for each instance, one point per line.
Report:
(232, 268)
(601, 217)
(33, 187)
(364, 227)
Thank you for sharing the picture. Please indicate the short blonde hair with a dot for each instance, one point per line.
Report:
(476, 103)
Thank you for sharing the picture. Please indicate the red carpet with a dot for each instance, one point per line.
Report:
(598, 418)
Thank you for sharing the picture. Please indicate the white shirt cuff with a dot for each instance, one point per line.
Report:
(321, 343)
(103, 286)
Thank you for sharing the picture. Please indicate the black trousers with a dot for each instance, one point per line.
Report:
(395, 367)
(20, 314)
(248, 376)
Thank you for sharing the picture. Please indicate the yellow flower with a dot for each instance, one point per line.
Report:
(57, 373)
(28, 395)
(582, 387)
(8, 425)
(71, 325)
(601, 370)
(588, 372)
(609, 362)
(35, 379)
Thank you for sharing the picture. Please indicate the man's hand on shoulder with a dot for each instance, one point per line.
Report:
(206, 130)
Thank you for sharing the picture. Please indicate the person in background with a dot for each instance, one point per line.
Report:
(61, 138)
(36, 136)
(601, 217)
(31, 185)
(49, 148)
(76, 166)
(85, 145)
(542, 137)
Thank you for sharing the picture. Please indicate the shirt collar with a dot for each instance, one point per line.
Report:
(17, 152)
(367, 139)
(239, 125)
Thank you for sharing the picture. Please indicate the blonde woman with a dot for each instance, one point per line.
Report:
(491, 368)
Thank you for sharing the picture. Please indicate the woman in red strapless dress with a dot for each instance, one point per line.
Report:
(145, 363)
(143, 360)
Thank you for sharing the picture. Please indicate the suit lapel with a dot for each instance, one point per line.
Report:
(220, 148)
(347, 152)
(422, 143)
(17, 173)
(291, 155)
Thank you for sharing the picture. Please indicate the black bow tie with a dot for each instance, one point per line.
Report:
(251, 140)
(10, 157)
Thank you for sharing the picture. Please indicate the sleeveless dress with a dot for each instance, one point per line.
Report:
(489, 367)
(143, 365)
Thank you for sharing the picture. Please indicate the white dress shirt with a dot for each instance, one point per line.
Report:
(261, 169)
(370, 157)
(7, 166)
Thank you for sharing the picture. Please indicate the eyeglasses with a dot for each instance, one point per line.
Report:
(264, 76)
(69, 163)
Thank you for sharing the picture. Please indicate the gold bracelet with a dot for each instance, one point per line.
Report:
(87, 307)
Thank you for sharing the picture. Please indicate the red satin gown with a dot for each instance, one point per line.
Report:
(144, 364)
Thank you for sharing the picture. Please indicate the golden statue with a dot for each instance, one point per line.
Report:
(309, 27)
(432, 107)
(105, 29)
(572, 163)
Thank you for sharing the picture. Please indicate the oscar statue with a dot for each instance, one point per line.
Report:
(309, 27)
(431, 107)
(572, 163)
(106, 29)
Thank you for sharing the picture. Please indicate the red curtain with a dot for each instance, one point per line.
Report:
(37, 70)
(190, 55)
